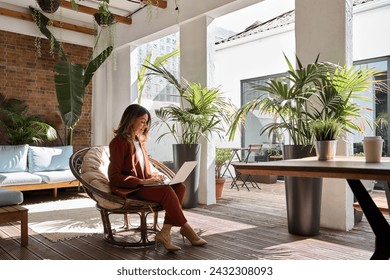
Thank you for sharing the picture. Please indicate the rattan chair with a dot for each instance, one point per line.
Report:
(89, 166)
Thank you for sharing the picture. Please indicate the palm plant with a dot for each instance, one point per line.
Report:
(202, 111)
(21, 128)
(143, 78)
(317, 91)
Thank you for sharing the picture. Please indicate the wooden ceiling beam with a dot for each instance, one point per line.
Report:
(56, 23)
(158, 3)
(92, 11)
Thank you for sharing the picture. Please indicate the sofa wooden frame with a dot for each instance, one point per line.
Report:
(44, 186)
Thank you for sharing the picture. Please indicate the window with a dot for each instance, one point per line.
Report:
(378, 104)
(255, 122)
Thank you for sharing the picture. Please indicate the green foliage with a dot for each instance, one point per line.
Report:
(318, 91)
(70, 78)
(21, 128)
(328, 129)
(143, 77)
(221, 156)
(203, 111)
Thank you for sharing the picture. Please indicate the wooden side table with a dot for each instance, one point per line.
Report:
(15, 213)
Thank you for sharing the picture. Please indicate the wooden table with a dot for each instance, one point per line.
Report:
(14, 213)
(353, 169)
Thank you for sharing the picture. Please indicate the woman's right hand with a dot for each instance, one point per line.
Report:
(153, 180)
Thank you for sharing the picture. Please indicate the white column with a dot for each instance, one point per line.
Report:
(325, 27)
(196, 65)
(111, 95)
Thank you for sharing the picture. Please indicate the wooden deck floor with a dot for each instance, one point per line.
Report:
(242, 225)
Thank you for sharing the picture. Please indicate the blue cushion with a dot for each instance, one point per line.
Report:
(49, 158)
(19, 178)
(10, 197)
(13, 158)
(56, 176)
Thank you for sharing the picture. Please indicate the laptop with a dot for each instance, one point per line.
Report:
(180, 175)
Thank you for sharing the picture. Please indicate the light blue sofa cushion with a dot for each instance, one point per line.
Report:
(19, 178)
(10, 197)
(49, 158)
(13, 158)
(56, 176)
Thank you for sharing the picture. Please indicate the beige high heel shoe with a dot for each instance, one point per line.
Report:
(164, 237)
(190, 234)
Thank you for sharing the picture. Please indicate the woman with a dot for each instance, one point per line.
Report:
(130, 168)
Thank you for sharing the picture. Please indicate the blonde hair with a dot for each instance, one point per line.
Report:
(127, 121)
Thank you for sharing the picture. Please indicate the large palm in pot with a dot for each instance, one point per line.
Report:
(309, 93)
(203, 112)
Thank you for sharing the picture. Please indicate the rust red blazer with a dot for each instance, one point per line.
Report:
(124, 170)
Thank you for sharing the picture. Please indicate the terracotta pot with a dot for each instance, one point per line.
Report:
(49, 6)
(219, 183)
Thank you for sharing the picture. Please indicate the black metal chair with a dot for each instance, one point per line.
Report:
(252, 148)
(95, 183)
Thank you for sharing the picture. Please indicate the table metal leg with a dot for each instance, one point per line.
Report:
(375, 218)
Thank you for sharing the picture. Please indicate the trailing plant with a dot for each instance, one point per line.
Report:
(71, 79)
(104, 17)
(49, 6)
(202, 111)
(20, 127)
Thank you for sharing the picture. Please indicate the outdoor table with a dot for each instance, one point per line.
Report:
(353, 169)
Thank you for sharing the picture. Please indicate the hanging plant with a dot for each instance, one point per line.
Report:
(104, 17)
(49, 6)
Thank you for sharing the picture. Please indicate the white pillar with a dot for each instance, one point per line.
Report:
(196, 65)
(325, 27)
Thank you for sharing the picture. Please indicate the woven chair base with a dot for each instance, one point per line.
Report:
(127, 235)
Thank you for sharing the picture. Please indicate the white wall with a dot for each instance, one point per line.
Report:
(370, 31)
(262, 56)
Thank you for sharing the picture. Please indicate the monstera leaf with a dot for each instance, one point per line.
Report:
(69, 79)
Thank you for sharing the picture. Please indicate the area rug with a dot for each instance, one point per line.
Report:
(67, 219)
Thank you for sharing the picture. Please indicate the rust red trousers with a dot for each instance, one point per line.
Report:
(171, 199)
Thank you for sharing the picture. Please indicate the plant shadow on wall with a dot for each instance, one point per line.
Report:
(21, 127)
(70, 78)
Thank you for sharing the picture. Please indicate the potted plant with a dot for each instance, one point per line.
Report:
(306, 94)
(21, 128)
(104, 17)
(325, 133)
(49, 6)
(222, 155)
(203, 112)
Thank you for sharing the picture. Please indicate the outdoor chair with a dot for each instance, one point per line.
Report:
(89, 166)
(252, 148)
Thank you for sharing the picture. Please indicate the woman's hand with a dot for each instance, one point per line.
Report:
(156, 178)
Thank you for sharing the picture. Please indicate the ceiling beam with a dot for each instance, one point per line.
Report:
(158, 3)
(56, 23)
(92, 11)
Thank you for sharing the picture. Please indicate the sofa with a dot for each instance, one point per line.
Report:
(27, 167)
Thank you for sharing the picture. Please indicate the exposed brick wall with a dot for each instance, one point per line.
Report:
(25, 75)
